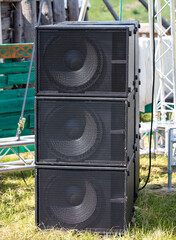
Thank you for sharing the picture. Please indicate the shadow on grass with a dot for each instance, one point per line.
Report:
(155, 210)
(17, 175)
(163, 168)
(14, 180)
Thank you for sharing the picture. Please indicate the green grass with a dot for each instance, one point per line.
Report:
(155, 216)
(131, 10)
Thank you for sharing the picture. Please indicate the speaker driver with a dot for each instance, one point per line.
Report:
(73, 62)
(74, 201)
(73, 132)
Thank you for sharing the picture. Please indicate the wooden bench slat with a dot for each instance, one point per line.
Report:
(4, 82)
(20, 78)
(15, 93)
(16, 50)
(31, 120)
(15, 67)
(15, 105)
(11, 79)
(10, 122)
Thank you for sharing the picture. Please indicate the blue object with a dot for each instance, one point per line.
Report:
(120, 18)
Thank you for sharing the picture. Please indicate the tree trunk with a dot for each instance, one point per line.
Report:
(47, 14)
(0, 26)
(17, 33)
(73, 10)
(29, 19)
(58, 11)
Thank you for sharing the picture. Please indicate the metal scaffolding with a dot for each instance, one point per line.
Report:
(7, 144)
(165, 46)
(165, 63)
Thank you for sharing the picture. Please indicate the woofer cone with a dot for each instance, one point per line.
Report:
(79, 213)
(73, 133)
(73, 62)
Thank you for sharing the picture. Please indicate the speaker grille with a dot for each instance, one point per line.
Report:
(89, 61)
(77, 132)
(73, 64)
(83, 132)
(82, 199)
(78, 199)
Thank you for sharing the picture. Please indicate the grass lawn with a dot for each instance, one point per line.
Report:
(154, 218)
(131, 10)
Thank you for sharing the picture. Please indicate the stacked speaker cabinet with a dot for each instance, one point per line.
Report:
(136, 26)
(85, 123)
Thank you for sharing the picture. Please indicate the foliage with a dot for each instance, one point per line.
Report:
(145, 117)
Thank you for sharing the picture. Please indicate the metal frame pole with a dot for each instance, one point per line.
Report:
(83, 11)
(173, 35)
(165, 85)
(170, 159)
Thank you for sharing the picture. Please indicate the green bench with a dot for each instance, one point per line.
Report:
(13, 77)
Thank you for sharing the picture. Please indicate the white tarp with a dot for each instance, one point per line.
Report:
(80, 3)
(145, 62)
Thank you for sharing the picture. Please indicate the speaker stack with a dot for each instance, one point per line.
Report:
(86, 125)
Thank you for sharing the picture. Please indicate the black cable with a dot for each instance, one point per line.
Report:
(18, 148)
(153, 88)
(24, 178)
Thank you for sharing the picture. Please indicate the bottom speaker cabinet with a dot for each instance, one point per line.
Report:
(84, 198)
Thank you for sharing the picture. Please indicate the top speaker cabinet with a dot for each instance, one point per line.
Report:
(121, 23)
(91, 60)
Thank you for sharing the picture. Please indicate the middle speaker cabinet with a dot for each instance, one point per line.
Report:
(84, 131)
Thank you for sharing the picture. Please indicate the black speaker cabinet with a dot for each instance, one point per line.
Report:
(84, 131)
(136, 26)
(91, 60)
(94, 199)
(136, 82)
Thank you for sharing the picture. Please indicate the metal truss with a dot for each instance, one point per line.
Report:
(7, 144)
(165, 58)
(165, 67)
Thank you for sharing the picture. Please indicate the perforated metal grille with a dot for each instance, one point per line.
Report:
(80, 61)
(82, 199)
(119, 46)
(83, 132)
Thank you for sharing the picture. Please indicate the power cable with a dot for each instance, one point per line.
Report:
(153, 89)
(24, 179)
